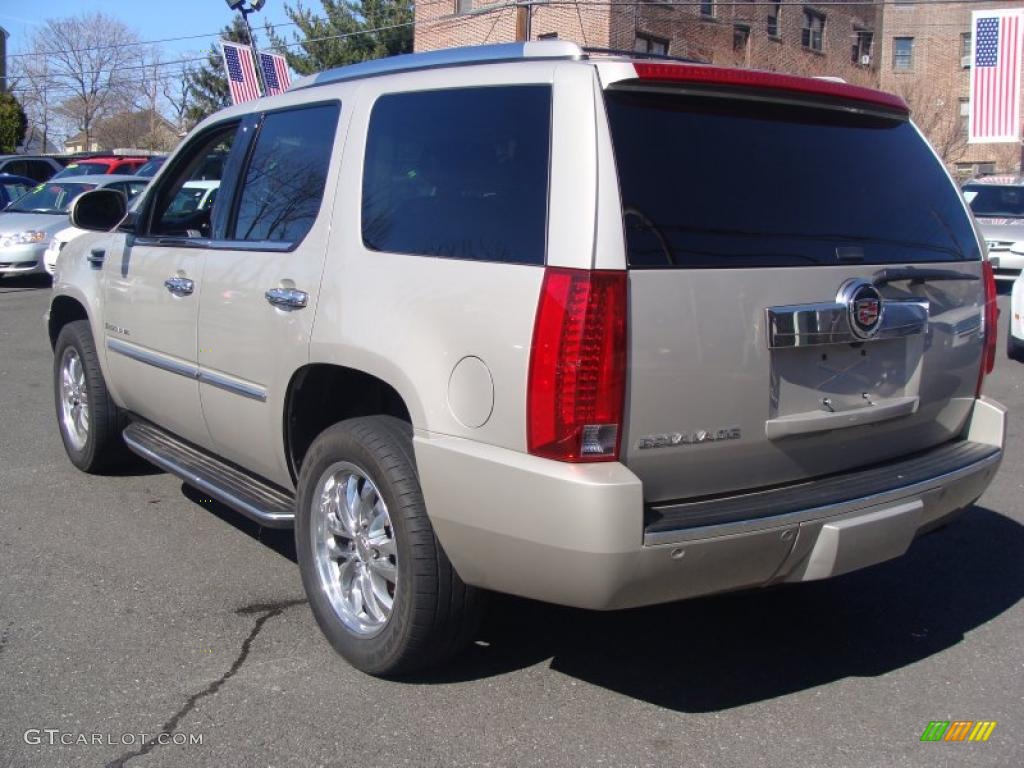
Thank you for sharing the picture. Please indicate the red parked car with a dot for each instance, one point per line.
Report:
(102, 164)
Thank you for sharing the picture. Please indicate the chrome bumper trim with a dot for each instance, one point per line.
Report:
(824, 511)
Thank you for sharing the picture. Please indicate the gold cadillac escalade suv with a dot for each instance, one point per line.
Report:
(595, 330)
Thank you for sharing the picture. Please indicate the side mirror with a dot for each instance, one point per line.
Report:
(99, 210)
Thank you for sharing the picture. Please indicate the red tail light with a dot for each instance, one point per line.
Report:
(988, 355)
(577, 377)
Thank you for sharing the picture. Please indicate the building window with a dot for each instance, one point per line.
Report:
(861, 51)
(740, 38)
(649, 44)
(548, 36)
(707, 8)
(965, 115)
(965, 50)
(463, 6)
(902, 54)
(774, 14)
(812, 35)
(974, 170)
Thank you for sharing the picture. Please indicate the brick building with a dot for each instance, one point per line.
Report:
(915, 48)
(834, 39)
(925, 56)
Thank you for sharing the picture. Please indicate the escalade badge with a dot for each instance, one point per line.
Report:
(696, 437)
(865, 307)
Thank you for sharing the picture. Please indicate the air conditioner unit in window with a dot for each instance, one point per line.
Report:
(865, 60)
(965, 61)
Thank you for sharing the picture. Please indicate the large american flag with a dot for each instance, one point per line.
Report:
(275, 73)
(241, 72)
(995, 76)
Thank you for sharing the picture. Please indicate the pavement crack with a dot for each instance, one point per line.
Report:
(264, 613)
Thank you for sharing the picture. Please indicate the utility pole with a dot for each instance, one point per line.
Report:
(253, 7)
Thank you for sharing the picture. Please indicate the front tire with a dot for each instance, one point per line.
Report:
(90, 423)
(378, 582)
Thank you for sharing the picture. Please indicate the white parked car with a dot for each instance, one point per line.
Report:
(130, 185)
(1015, 339)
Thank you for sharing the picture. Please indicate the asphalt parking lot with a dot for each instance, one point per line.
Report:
(131, 605)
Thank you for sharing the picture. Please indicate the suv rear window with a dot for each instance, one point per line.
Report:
(714, 182)
(460, 173)
(994, 200)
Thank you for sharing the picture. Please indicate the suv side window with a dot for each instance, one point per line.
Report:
(39, 170)
(459, 173)
(18, 168)
(172, 214)
(284, 182)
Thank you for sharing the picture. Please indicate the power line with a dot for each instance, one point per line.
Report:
(498, 8)
(141, 43)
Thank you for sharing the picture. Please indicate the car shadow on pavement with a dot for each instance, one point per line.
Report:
(27, 283)
(281, 541)
(726, 651)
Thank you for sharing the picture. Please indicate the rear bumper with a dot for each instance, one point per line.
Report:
(1006, 264)
(574, 534)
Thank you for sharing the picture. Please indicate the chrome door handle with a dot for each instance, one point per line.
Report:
(287, 298)
(96, 257)
(179, 286)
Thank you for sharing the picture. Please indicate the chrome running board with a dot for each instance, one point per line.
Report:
(255, 498)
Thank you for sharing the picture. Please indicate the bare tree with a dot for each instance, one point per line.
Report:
(92, 65)
(177, 93)
(937, 114)
(31, 80)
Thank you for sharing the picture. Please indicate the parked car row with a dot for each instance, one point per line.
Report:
(29, 224)
(998, 206)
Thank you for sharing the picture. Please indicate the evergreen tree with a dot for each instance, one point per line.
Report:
(209, 83)
(357, 30)
(13, 123)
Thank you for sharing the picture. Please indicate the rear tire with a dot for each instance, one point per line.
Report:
(89, 421)
(378, 582)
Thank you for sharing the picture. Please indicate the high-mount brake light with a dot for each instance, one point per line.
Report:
(750, 78)
(577, 377)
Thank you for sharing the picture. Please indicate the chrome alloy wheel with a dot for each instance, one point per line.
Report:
(74, 399)
(354, 548)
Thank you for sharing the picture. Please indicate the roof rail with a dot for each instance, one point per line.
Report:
(448, 57)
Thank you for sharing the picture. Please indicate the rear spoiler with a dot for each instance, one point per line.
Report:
(756, 80)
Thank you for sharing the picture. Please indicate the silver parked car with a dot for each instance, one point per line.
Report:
(29, 224)
(589, 330)
(998, 206)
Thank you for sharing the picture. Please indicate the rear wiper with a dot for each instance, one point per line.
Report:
(915, 275)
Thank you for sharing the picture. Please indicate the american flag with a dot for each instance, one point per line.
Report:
(241, 72)
(995, 76)
(275, 73)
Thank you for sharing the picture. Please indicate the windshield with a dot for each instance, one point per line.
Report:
(992, 200)
(49, 198)
(712, 182)
(15, 190)
(190, 199)
(83, 169)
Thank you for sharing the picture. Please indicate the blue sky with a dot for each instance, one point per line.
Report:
(151, 19)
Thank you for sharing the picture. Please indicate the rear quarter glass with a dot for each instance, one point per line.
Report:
(715, 182)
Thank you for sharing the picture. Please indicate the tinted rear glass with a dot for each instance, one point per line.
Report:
(712, 182)
(461, 173)
(995, 200)
(84, 169)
